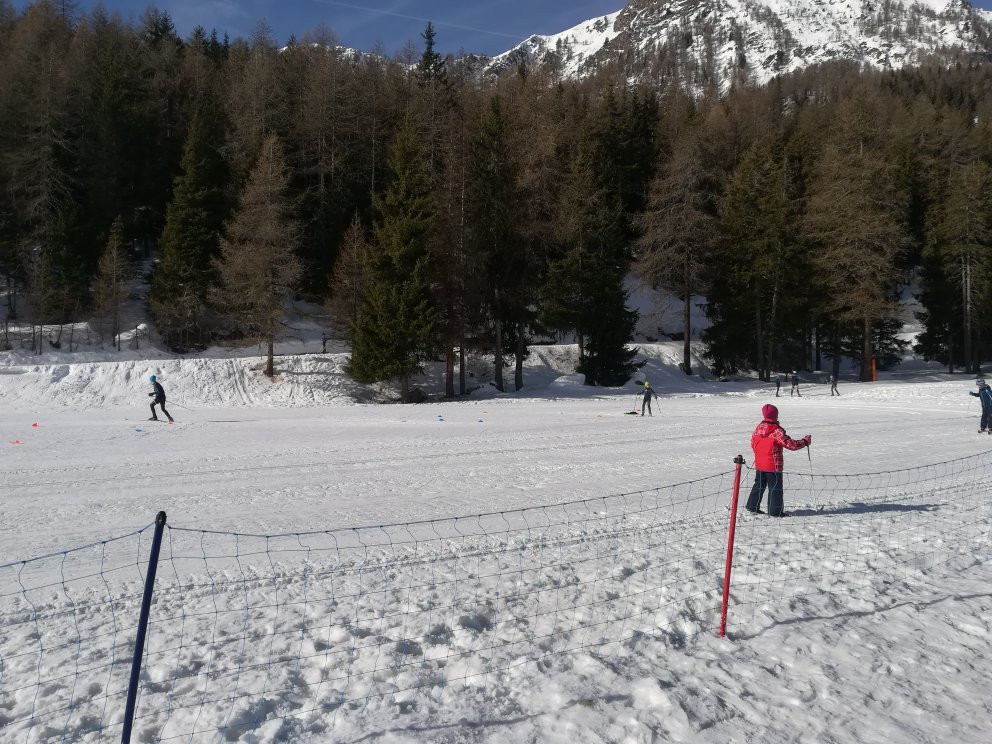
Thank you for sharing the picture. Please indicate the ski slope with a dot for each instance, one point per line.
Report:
(876, 661)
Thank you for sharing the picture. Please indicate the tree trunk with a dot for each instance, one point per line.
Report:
(461, 368)
(518, 370)
(269, 370)
(770, 346)
(817, 350)
(868, 352)
(759, 343)
(686, 332)
(966, 291)
(449, 372)
(11, 308)
(405, 388)
(498, 356)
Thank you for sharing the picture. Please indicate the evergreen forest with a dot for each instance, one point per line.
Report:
(435, 211)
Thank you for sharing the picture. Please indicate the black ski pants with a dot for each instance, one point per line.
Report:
(986, 418)
(773, 482)
(160, 404)
(646, 402)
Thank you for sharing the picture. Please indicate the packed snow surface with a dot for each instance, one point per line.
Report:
(863, 617)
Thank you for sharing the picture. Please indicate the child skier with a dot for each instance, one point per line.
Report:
(767, 442)
(984, 395)
(159, 399)
(648, 394)
(795, 385)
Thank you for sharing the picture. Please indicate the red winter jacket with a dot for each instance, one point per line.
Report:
(767, 442)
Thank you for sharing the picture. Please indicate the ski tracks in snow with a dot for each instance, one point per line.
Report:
(238, 384)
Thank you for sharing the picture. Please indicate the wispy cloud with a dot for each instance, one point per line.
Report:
(395, 14)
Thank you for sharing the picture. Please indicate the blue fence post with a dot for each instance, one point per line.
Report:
(139, 639)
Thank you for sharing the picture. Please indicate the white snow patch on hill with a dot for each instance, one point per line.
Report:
(304, 380)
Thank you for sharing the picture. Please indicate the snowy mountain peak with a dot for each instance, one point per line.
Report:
(706, 42)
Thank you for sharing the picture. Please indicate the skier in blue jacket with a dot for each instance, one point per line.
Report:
(984, 395)
(158, 396)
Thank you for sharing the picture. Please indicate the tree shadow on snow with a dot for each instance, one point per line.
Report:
(918, 605)
(860, 508)
(486, 723)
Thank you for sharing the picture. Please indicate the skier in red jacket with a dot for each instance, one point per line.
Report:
(767, 442)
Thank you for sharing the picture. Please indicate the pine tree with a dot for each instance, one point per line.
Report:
(258, 268)
(584, 290)
(349, 279)
(493, 203)
(941, 338)
(678, 230)
(186, 269)
(39, 162)
(961, 241)
(442, 107)
(112, 124)
(751, 298)
(432, 67)
(456, 274)
(396, 328)
(854, 223)
(110, 284)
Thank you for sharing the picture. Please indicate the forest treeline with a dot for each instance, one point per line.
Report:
(436, 212)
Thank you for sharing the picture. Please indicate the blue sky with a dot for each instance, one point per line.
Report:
(480, 26)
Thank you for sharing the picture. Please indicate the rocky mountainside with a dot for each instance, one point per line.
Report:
(717, 42)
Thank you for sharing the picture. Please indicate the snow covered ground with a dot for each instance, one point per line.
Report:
(864, 617)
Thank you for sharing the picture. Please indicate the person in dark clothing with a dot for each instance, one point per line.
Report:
(833, 386)
(649, 393)
(778, 384)
(768, 440)
(795, 385)
(984, 396)
(159, 399)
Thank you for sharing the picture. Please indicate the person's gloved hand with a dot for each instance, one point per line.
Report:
(808, 439)
(150, 394)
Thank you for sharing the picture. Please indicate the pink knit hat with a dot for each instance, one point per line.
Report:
(769, 412)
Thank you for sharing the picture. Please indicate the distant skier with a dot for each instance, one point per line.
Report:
(159, 399)
(984, 395)
(778, 384)
(649, 393)
(833, 386)
(795, 385)
(767, 442)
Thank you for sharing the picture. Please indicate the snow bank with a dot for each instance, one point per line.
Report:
(304, 380)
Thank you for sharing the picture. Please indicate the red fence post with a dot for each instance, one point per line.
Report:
(730, 545)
